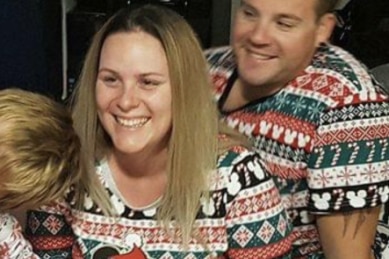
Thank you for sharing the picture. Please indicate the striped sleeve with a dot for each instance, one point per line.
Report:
(257, 224)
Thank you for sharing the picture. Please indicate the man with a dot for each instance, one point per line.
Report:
(318, 120)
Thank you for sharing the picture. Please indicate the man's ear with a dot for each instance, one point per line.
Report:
(325, 27)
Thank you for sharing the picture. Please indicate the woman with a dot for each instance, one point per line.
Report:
(144, 111)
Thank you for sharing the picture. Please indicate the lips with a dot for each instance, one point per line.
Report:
(132, 123)
(259, 55)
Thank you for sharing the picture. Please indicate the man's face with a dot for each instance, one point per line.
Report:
(274, 40)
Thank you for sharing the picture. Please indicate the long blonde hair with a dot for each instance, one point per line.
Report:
(193, 143)
(40, 153)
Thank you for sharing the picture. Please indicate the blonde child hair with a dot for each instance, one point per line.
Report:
(39, 150)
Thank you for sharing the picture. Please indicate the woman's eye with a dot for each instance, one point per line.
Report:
(149, 83)
(247, 12)
(109, 79)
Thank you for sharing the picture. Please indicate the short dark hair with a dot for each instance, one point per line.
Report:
(325, 6)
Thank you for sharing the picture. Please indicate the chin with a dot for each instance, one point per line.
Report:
(253, 80)
(129, 148)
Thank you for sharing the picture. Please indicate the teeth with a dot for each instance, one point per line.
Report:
(259, 56)
(133, 123)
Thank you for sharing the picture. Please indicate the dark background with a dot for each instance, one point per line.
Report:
(364, 30)
(30, 45)
(31, 35)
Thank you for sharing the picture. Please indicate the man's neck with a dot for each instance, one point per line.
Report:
(242, 94)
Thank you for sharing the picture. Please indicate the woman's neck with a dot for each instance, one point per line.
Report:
(140, 179)
(144, 164)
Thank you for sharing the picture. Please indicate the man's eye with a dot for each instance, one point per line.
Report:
(285, 25)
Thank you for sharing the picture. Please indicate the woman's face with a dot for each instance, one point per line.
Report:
(133, 92)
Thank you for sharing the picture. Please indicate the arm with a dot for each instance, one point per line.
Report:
(348, 176)
(12, 242)
(257, 224)
(49, 231)
(349, 234)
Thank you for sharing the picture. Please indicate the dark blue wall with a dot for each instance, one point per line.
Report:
(30, 45)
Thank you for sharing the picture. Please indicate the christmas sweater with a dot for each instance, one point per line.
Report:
(243, 218)
(324, 137)
(13, 245)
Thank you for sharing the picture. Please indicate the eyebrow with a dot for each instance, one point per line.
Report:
(146, 74)
(243, 3)
(289, 17)
(152, 74)
(103, 69)
(279, 16)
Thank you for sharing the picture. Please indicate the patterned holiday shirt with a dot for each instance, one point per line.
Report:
(13, 245)
(324, 137)
(244, 218)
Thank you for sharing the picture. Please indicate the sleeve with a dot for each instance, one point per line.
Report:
(348, 168)
(257, 224)
(12, 242)
(49, 231)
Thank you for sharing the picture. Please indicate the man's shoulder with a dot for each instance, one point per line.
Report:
(327, 55)
(234, 154)
(217, 51)
(334, 75)
(336, 66)
(220, 58)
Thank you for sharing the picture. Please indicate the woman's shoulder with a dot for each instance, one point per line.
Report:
(235, 152)
(233, 147)
(242, 160)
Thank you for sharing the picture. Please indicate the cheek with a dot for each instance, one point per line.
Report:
(163, 105)
(164, 108)
(241, 28)
(99, 96)
(302, 51)
(163, 98)
(104, 96)
(302, 42)
(239, 32)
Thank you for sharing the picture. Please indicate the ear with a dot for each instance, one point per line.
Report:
(325, 27)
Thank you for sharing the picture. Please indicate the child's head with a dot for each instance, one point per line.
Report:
(39, 150)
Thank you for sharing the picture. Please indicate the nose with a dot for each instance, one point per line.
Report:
(129, 97)
(260, 34)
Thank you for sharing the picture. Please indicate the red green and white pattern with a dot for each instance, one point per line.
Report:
(244, 218)
(324, 137)
(13, 245)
